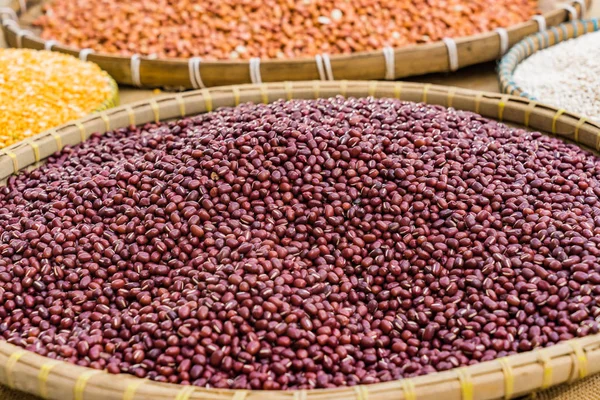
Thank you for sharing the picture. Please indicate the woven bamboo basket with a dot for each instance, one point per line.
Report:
(535, 43)
(442, 56)
(504, 378)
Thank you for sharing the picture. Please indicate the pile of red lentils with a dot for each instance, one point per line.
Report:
(302, 244)
(276, 29)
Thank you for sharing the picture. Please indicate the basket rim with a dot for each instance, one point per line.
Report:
(524, 371)
(535, 43)
(571, 10)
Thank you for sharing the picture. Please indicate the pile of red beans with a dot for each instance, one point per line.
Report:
(302, 244)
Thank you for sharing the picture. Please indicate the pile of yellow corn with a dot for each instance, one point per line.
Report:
(40, 90)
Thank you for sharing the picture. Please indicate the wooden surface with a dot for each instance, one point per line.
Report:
(481, 77)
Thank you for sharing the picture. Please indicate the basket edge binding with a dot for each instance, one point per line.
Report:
(517, 374)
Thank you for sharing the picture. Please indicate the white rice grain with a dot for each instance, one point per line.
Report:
(566, 75)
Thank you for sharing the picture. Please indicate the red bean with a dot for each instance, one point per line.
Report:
(312, 243)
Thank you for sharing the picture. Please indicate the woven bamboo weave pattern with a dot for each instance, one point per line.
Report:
(8, 394)
(587, 389)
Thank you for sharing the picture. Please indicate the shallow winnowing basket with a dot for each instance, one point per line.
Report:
(535, 43)
(510, 376)
(442, 56)
(504, 378)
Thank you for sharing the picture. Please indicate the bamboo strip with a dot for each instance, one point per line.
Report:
(407, 61)
(516, 375)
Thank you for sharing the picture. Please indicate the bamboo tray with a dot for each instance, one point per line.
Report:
(534, 43)
(504, 378)
(442, 56)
